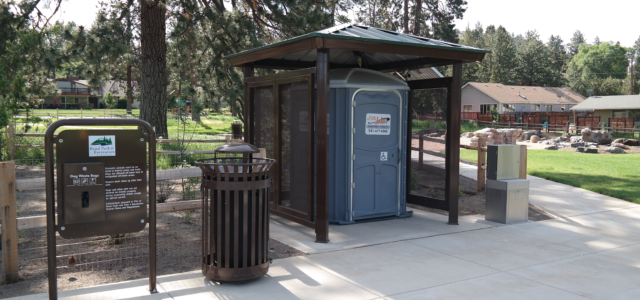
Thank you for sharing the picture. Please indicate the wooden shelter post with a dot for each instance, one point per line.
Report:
(247, 70)
(453, 142)
(322, 203)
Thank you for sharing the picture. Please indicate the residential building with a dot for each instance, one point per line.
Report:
(482, 97)
(70, 93)
(605, 107)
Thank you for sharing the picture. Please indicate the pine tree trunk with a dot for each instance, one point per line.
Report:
(153, 45)
(129, 91)
(418, 19)
(406, 16)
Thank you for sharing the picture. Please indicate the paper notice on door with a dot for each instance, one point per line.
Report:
(378, 124)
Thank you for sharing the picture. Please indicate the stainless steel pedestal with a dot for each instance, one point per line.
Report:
(507, 201)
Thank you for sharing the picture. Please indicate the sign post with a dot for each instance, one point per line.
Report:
(101, 185)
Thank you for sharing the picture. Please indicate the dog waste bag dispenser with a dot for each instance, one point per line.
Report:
(235, 214)
(367, 136)
(507, 195)
(102, 183)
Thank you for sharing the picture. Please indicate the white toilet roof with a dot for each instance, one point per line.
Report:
(365, 78)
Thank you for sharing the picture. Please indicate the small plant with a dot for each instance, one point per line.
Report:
(414, 180)
(165, 189)
(496, 115)
(190, 188)
(188, 216)
(109, 100)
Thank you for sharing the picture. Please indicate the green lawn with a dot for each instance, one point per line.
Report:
(613, 175)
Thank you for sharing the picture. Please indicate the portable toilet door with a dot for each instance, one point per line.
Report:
(375, 106)
(376, 167)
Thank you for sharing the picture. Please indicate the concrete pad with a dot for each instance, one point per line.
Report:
(493, 287)
(398, 267)
(579, 235)
(289, 278)
(593, 276)
(137, 289)
(500, 248)
(421, 224)
(629, 253)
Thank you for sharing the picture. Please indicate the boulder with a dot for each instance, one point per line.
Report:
(577, 145)
(435, 134)
(576, 139)
(596, 136)
(581, 149)
(619, 141)
(467, 135)
(618, 145)
(632, 142)
(433, 129)
(591, 150)
(526, 135)
(567, 135)
(551, 147)
(614, 150)
(535, 138)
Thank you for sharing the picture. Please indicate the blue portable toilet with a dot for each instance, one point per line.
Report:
(367, 140)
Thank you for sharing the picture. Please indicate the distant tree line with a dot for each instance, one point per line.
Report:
(526, 60)
(177, 47)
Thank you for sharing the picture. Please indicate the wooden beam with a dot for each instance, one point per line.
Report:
(32, 222)
(435, 83)
(447, 54)
(452, 169)
(295, 73)
(411, 64)
(194, 172)
(322, 158)
(247, 71)
(9, 215)
(523, 162)
(482, 163)
(253, 56)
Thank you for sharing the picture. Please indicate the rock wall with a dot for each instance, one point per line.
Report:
(494, 136)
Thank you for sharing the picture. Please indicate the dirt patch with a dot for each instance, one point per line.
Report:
(430, 181)
(110, 259)
(470, 204)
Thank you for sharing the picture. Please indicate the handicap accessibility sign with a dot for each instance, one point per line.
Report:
(383, 156)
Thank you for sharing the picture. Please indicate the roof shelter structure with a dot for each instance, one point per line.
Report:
(609, 102)
(309, 60)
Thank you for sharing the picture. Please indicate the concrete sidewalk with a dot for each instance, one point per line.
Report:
(589, 252)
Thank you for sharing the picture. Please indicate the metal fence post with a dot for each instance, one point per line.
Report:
(9, 222)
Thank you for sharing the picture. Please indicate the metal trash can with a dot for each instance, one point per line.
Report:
(235, 214)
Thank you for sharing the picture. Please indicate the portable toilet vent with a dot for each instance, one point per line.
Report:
(367, 140)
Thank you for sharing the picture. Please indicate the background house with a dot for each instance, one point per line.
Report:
(70, 92)
(606, 107)
(481, 97)
(117, 88)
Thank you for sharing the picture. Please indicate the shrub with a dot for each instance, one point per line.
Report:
(122, 104)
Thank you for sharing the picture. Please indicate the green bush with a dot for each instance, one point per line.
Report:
(122, 104)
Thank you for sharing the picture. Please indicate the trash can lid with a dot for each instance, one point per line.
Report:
(237, 147)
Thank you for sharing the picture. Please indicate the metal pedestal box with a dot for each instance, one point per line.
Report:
(507, 201)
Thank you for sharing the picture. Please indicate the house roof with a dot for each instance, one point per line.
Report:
(80, 82)
(354, 45)
(609, 102)
(516, 94)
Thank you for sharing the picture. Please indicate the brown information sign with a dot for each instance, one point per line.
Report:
(101, 181)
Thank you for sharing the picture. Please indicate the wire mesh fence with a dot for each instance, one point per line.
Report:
(99, 259)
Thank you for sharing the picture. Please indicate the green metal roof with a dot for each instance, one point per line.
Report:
(370, 34)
